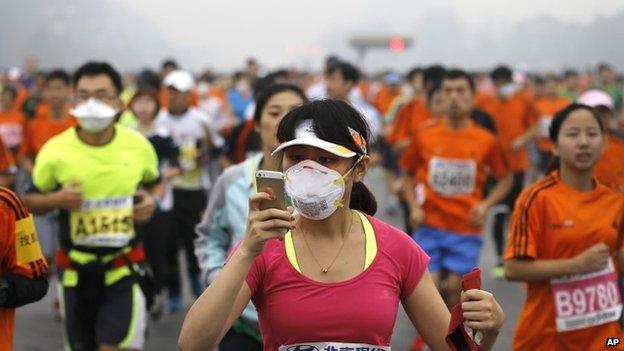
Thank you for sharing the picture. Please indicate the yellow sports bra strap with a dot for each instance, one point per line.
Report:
(370, 250)
(290, 250)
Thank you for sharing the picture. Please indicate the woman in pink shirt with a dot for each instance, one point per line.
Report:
(335, 276)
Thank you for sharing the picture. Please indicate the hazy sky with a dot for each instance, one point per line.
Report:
(285, 32)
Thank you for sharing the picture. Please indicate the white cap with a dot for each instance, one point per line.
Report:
(180, 80)
(304, 135)
(595, 98)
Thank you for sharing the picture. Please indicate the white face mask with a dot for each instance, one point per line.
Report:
(93, 115)
(316, 191)
(508, 90)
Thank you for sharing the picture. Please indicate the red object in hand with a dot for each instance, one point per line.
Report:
(457, 337)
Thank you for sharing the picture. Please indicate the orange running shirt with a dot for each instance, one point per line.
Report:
(546, 109)
(452, 167)
(554, 221)
(610, 167)
(19, 254)
(40, 129)
(513, 117)
(408, 118)
(164, 99)
(12, 125)
(384, 99)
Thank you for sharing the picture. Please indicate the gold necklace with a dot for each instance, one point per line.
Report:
(324, 270)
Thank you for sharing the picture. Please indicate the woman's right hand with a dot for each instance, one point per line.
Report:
(263, 225)
(593, 259)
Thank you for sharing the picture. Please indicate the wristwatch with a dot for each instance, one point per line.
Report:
(4, 290)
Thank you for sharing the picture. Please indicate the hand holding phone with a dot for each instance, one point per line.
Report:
(272, 183)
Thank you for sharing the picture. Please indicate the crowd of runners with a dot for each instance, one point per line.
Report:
(105, 178)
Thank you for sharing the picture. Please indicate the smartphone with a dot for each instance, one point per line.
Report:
(272, 183)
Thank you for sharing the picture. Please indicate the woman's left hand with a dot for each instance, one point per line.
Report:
(481, 310)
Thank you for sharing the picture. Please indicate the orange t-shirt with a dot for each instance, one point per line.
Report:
(610, 167)
(554, 221)
(513, 117)
(43, 109)
(452, 166)
(365, 89)
(19, 254)
(41, 129)
(164, 99)
(409, 116)
(384, 99)
(483, 98)
(546, 108)
(12, 125)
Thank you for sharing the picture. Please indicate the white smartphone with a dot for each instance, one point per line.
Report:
(273, 183)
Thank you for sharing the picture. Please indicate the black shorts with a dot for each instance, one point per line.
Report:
(117, 317)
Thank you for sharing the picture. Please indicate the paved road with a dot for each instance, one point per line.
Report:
(38, 330)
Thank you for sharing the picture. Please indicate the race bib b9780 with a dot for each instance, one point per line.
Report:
(587, 300)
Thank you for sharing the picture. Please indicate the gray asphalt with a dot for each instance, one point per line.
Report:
(38, 330)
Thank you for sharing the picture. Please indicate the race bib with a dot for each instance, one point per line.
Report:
(188, 156)
(587, 300)
(191, 176)
(332, 346)
(544, 125)
(452, 177)
(26, 241)
(103, 222)
(12, 134)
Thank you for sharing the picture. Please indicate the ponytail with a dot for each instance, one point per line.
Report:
(362, 199)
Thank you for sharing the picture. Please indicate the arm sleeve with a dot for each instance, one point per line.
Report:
(415, 263)
(214, 239)
(23, 290)
(524, 228)
(26, 282)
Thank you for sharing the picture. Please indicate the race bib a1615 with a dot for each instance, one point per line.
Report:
(106, 222)
(587, 300)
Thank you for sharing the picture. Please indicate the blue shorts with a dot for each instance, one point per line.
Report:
(454, 252)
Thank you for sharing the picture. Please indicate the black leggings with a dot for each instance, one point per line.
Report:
(187, 208)
(156, 237)
(501, 218)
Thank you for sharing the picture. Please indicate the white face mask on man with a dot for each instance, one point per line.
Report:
(94, 115)
(316, 191)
